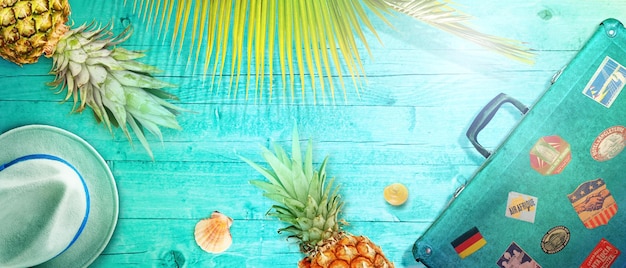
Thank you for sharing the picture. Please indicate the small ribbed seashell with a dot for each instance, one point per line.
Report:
(213, 234)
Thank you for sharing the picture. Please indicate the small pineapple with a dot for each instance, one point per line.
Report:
(311, 205)
(31, 28)
(89, 64)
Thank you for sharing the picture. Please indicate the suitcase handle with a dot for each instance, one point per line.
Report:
(484, 117)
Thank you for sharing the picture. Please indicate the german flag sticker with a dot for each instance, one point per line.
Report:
(468, 243)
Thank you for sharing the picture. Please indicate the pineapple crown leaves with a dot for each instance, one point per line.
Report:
(305, 199)
(121, 91)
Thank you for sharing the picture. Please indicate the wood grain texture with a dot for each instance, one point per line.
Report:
(407, 124)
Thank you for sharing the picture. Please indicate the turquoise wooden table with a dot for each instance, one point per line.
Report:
(407, 125)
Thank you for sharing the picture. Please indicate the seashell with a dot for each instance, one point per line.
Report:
(396, 194)
(213, 234)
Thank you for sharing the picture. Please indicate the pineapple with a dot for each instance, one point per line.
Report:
(89, 64)
(31, 28)
(310, 206)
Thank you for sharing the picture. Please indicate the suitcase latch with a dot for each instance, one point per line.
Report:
(557, 75)
(421, 251)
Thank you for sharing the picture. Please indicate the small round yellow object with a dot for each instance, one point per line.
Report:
(396, 194)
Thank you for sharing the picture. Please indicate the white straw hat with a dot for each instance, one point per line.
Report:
(59, 199)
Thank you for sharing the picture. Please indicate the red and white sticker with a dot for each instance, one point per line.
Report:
(602, 256)
(594, 203)
(609, 143)
(550, 155)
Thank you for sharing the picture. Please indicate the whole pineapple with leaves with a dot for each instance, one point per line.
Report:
(311, 206)
(88, 63)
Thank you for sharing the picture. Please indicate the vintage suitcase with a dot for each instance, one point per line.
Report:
(553, 193)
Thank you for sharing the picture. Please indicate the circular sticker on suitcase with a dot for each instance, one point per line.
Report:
(555, 239)
(609, 143)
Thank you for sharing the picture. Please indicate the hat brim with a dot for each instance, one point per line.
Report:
(42, 139)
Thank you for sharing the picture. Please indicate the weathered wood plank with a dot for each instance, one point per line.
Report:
(386, 135)
(188, 189)
(170, 243)
(401, 89)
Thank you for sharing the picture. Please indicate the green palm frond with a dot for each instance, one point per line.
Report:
(315, 39)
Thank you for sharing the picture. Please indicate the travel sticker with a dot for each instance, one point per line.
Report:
(609, 143)
(555, 239)
(516, 257)
(594, 203)
(521, 207)
(607, 83)
(550, 155)
(602, 256)
(468, 243)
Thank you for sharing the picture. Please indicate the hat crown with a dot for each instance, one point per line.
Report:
(45, 205)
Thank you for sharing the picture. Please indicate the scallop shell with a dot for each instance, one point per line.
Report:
(213, 234)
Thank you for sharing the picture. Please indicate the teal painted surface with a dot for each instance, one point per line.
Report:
(423, 89)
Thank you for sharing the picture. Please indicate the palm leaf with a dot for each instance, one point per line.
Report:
(446, 18)
(320, 36)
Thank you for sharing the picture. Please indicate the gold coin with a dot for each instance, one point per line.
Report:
(396, 194)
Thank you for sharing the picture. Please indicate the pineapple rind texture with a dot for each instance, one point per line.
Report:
(348, 251)
(310, 206)
(121, 91)
(30, 28)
